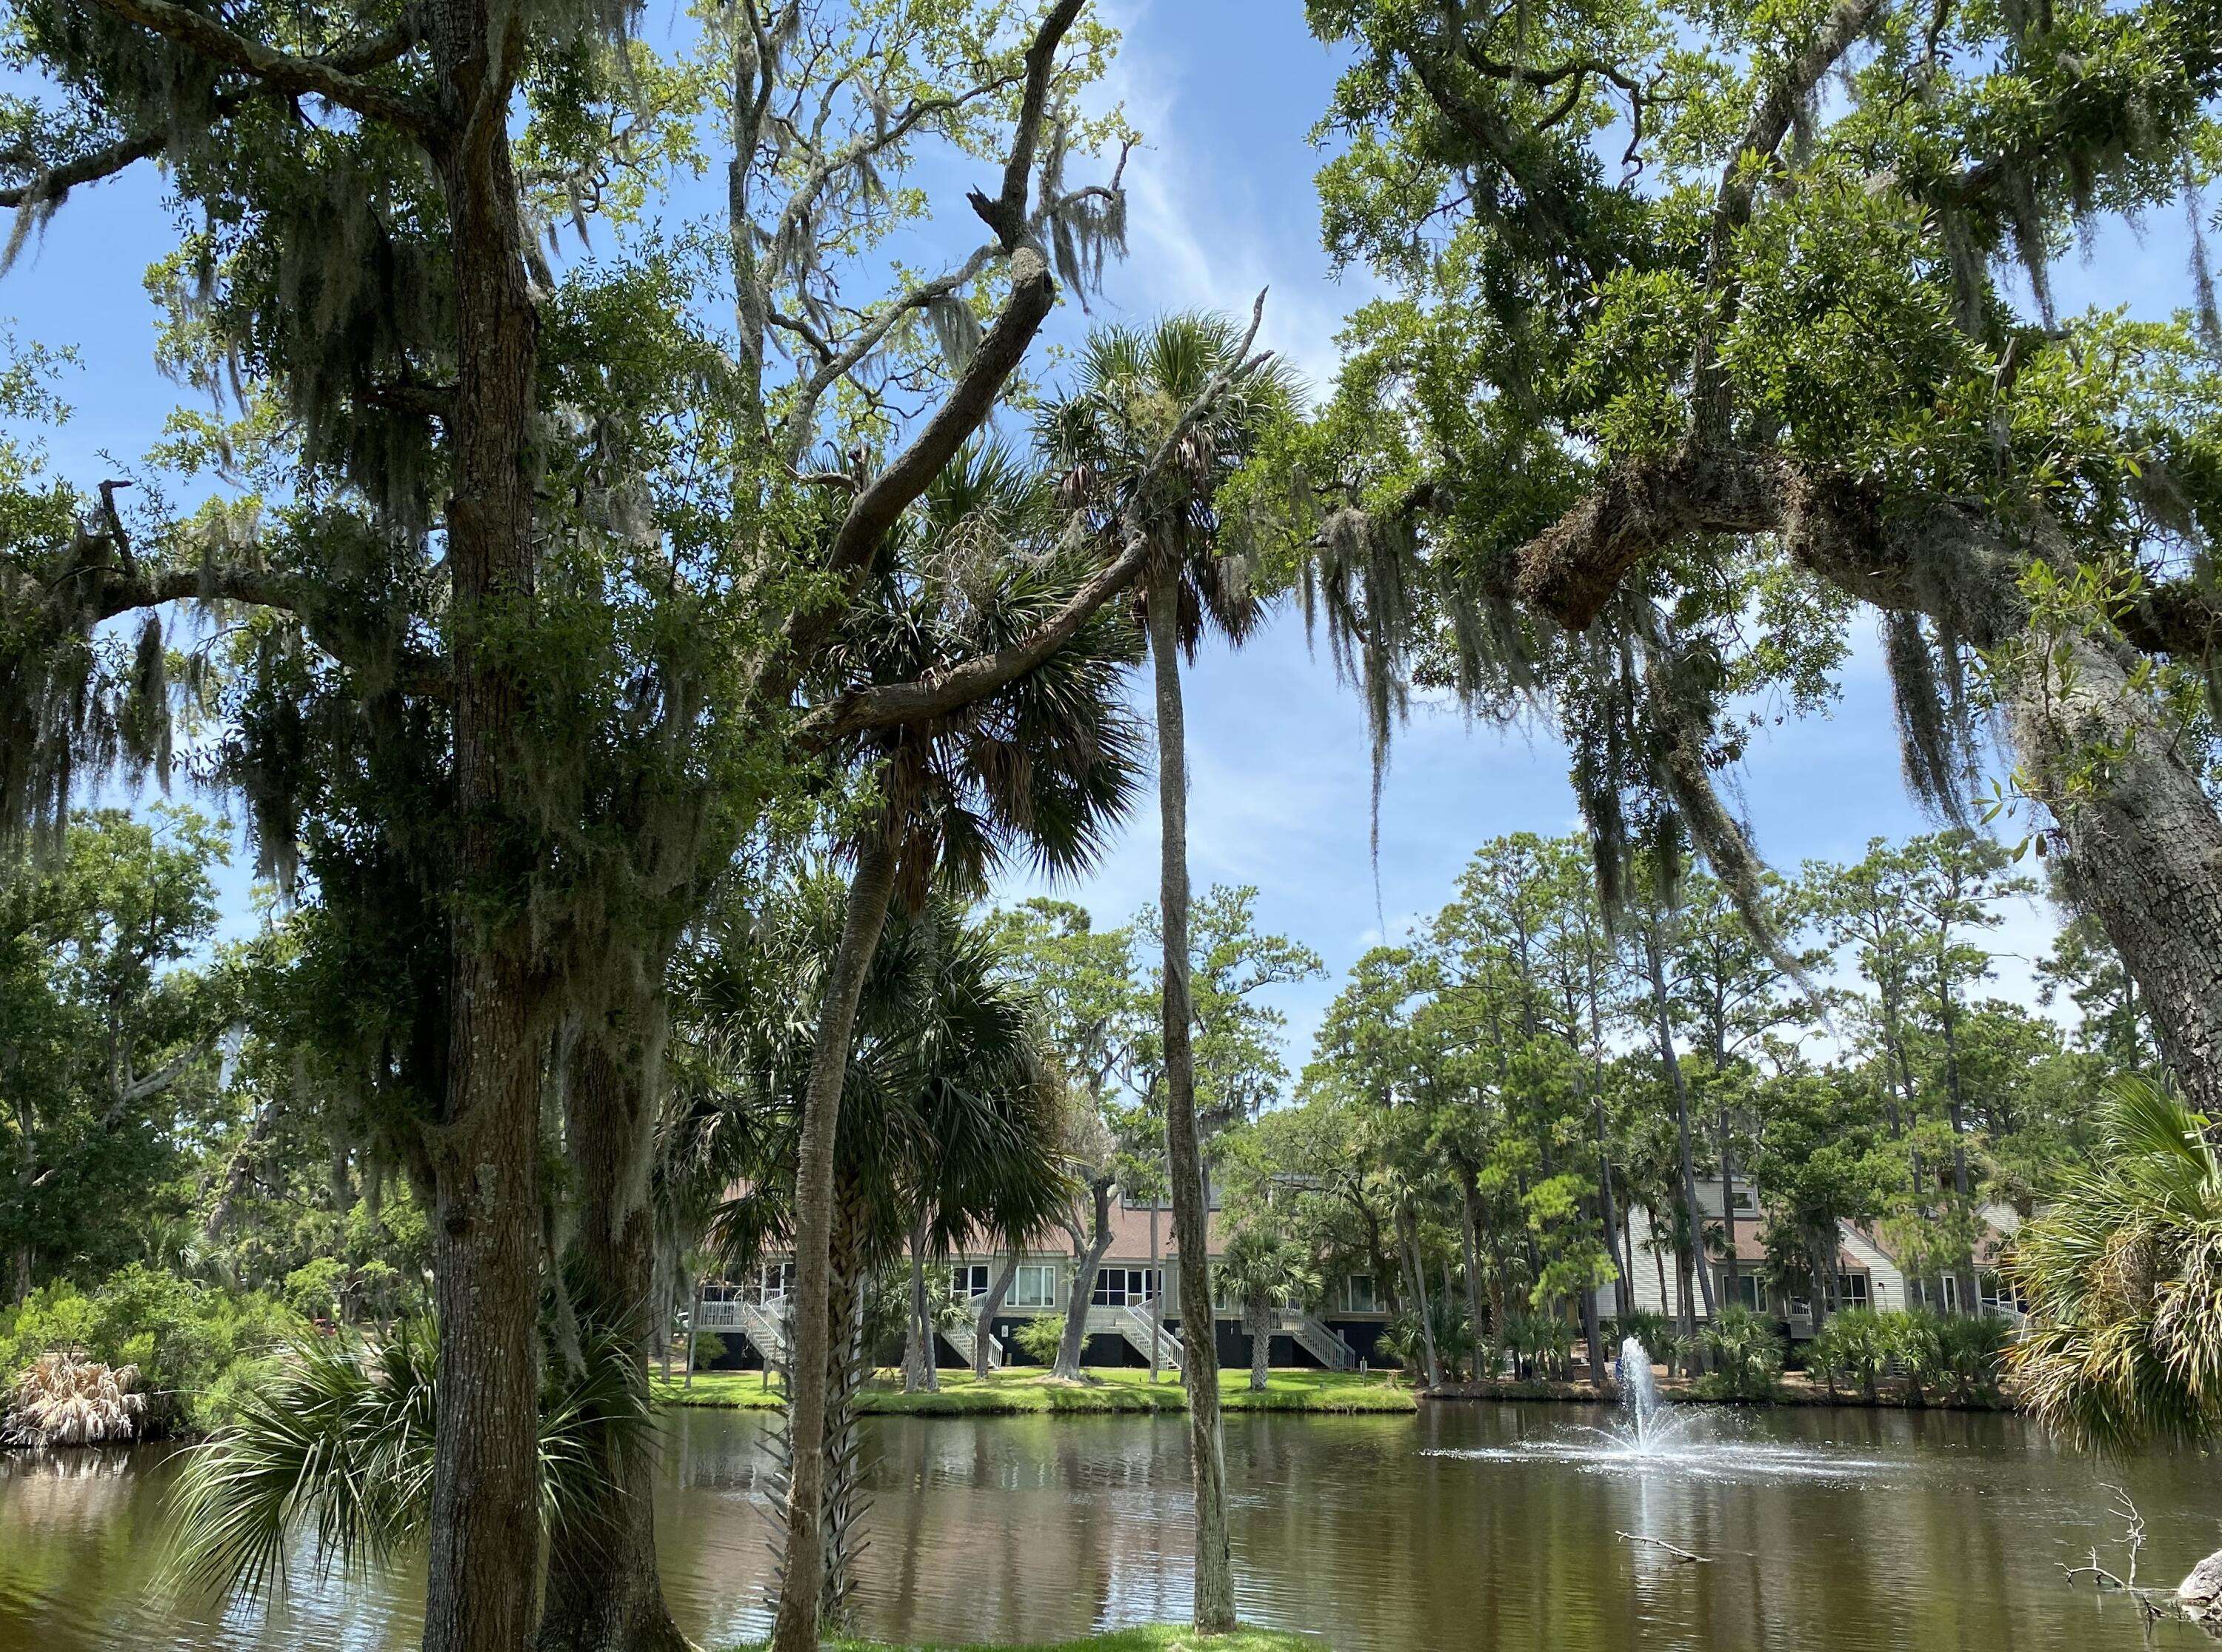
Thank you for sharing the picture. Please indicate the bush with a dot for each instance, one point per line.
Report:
(1039, 1338)
(709, 1349)
(1854, 1346)
(195, 1346)
(1747, 1355)
(1654, 1330)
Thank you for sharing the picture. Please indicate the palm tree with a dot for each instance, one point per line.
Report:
(1261, 1269)
(2123, 1278)
(340, 1444)
(1045, 765)
(1157, 420)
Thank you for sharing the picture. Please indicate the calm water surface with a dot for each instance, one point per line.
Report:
(1481, 1526)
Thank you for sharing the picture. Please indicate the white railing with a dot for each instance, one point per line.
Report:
(964, 1337)
(761, 1321)
(1321, 1341)
(1139, 1322)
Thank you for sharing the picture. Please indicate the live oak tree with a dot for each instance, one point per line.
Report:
(461, 634)
(1711, 329)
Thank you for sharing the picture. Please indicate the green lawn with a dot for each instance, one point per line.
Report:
(1026, 1390)
(1157, 1637)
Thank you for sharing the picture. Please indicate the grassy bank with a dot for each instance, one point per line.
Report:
(1025, 1391)
(1793, 1388)
(1157, 1637)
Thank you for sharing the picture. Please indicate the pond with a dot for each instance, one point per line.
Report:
(1473, 1525)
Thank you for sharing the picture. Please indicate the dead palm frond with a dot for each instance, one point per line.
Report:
(63, 1399)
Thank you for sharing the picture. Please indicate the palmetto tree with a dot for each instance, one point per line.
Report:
(1143, 442)
(1261, 1269)
(1042, 767)
(950, 1121)
(2123, 1276)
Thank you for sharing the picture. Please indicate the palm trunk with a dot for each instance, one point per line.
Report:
(1261, 1343)
(918, 1328)
(1728, 1208)
(1408, 1229)
(1157, 1296)
(795, 1629)
(1468, 1194)
(983, 1327)
(1214, 1563)
(604, 1594)
(693, 1331)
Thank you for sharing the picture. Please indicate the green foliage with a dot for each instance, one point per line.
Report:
(1654, 1330)
(2121, 1275)
(335, 1445)
(110, 1013)
(199, 1348)
(1746, 1353)
(1040, 1338)
(1855, 1345)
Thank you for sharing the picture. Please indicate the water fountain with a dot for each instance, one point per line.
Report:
(1651, 1437)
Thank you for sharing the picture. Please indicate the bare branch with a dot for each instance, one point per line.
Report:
(1006, 214)
(281, 72)
(941, 691)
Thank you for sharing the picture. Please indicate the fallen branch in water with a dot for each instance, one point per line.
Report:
(2155, 1604)
(1682, 1554)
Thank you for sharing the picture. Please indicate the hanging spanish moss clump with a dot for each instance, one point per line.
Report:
(63, 685)
(143, 723)
(1936, 735)
(2206, 318)
(1084, 229)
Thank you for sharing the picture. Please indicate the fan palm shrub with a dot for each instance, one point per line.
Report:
(1855, 1345)
(2121, 1275)
(61, 1399)
(337, 1451)
(1654, 1331)
(1745, 1351)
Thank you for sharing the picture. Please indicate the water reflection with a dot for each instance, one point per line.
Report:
(1473, 1526)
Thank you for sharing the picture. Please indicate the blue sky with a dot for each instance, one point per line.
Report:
(1221, 204)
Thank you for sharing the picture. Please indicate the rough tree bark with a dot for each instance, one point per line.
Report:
(483, 1564)
(604, 1594)
(795, 1628)
(1214, 1563)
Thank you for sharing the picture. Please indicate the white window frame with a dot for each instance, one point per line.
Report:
(1034, 1285)
(1372, 1302)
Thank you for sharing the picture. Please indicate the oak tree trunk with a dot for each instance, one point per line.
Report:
(1087, 1262)
(483, 1564)
(604, 1594)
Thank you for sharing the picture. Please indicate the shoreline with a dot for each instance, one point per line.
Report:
(1109, 1391)
(1679, 1391)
